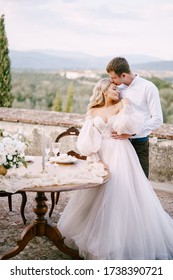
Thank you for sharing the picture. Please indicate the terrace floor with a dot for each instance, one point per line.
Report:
(11, 224)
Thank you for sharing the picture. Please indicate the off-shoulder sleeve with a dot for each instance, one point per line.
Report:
(89, 139)
(129, 121)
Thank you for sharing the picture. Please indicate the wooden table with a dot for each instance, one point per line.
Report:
(40, 226)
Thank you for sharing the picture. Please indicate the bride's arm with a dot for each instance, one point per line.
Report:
(89, 139)
(129, 122)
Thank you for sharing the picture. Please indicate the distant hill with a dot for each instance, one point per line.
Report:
(55, 61)
(159, 66)
(60, 60)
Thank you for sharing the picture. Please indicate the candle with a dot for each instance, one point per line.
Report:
(43, 149)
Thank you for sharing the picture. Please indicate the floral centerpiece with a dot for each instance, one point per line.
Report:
(12, 149)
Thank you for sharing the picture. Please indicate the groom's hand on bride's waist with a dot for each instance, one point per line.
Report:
(114, 135)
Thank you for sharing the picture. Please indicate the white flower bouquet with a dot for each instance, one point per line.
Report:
(12, 149)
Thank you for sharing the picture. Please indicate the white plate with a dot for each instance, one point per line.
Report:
(66, 160)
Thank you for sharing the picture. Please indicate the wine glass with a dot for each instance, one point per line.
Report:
(56, 148)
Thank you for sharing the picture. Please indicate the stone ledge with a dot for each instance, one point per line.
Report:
(164, 132)
(41, 117)
(52, 118)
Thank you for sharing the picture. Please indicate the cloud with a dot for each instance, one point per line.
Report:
(98, 27)
(69, 1)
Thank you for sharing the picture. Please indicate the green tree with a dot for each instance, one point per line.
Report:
(166, 97)
(160, 83)
(69, 102)
(57, 102)
(6, 97)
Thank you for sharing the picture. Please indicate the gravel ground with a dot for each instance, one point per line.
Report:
(40, 248)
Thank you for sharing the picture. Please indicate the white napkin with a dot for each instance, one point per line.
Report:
(97, 168)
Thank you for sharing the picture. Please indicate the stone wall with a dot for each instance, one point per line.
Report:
(32, 123)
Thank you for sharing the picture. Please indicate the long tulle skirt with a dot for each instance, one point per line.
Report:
(122, 219)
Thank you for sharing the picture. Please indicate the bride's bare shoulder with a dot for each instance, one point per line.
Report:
(120, 105)
(90, 112)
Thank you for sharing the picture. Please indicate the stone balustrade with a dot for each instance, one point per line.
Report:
(32, 123)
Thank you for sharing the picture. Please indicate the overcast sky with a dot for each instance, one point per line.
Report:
(96, 27)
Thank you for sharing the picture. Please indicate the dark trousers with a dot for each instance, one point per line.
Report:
(142, 150)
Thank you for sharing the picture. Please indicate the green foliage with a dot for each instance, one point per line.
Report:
(57, 102)
(166, 97)
(51, 91)
(104, 75)
(69, 102)
(6, 97)
(160, 83)
(170, 119)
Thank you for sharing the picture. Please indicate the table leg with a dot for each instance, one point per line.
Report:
(40, 227)
(22, 208)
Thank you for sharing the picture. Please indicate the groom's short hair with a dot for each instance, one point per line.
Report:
(119, 65)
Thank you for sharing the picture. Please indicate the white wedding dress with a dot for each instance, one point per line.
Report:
(122, 219)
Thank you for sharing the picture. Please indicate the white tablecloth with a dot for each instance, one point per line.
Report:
(90, 173)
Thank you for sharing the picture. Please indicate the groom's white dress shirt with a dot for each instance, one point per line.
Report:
(144, 98)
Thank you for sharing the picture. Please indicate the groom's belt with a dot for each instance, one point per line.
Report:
(137, 140)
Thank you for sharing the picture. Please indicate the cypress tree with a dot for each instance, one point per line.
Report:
(57, 103)
(6, 97)
(69, 102)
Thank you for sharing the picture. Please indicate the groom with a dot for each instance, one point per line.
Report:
(144, 97)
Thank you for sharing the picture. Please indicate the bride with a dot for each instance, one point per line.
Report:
(122, 219)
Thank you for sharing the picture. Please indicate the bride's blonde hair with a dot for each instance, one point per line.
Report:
(97, 98)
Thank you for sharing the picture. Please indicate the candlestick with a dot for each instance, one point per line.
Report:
(43, 150)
